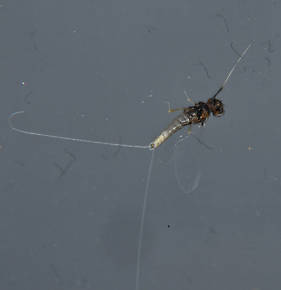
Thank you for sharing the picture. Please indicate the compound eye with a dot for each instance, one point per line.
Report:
(220, 110)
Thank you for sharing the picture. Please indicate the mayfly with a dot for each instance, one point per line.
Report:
(198, 113)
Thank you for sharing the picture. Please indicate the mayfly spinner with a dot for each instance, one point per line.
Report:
(198, 113)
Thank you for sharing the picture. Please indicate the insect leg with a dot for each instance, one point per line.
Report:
(175, 110)
(170, 110)
(201, 142)
(188, 98)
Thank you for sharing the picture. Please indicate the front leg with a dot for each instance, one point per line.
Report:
(170, 110)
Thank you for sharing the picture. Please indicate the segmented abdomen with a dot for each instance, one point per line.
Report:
(176, 124)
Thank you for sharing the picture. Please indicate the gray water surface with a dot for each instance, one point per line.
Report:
(102, 70)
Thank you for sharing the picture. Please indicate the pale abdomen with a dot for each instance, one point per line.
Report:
(176, 124)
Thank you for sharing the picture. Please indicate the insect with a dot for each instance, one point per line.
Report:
(198, 113)
(195, 114)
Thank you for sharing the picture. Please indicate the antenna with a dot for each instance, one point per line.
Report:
(232, 70)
